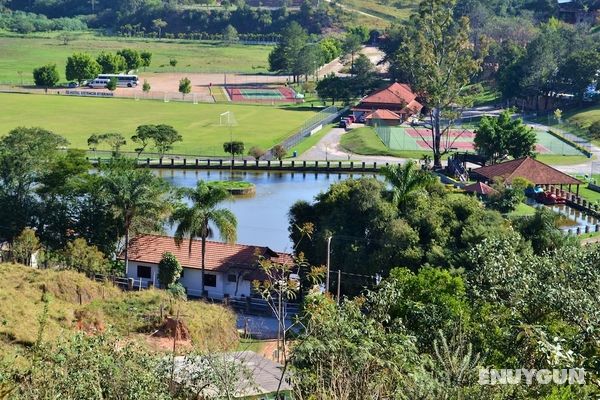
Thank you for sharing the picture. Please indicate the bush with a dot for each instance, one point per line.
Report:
(169, 270)
(594, 130)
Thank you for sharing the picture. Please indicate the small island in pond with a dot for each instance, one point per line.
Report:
(237, 188)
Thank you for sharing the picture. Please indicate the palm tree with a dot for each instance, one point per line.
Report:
(194, 221)
(138, 198)
(405, 180)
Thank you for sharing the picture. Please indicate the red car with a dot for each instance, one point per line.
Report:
(549, 198)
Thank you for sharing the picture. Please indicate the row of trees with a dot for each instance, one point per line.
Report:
(82, 66)
(159, 18)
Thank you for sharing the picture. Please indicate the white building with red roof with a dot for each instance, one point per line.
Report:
(229, 268)
(397, 98)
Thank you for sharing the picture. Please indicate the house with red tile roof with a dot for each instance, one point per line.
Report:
(397, 98)
(229, 268)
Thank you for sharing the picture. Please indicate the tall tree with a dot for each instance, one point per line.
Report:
(159, 25)
(81, 66)
(185, 86)
(195, 221)
(138, 198)
(350, 46)
(436, 57)
(285, 56)
(146, 57)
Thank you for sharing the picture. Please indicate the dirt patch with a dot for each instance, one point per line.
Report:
(89, 321)
(173, 328)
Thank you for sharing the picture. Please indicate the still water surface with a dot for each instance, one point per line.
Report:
(262, 218)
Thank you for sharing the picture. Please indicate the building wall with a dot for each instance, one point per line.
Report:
(192, 281)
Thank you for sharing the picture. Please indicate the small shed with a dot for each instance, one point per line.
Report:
(479, 188)
(383, 117)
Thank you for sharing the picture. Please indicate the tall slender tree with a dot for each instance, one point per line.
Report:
(406, 179)
(195, 221)
(139, 199)
(434, 54)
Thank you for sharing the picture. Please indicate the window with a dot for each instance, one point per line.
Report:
(144, 272)
(210, 280)
(232, 278)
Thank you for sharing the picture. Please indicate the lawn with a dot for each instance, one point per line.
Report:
(364, 141)
(577, 122)
(24, 54)
(389, 12)
(77, 118)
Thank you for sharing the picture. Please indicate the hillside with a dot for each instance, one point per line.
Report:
(131, 314)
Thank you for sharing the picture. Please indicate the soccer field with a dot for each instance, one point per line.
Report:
(19, 56)
(76, 118)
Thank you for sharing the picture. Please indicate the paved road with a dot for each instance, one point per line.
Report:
(329, 148)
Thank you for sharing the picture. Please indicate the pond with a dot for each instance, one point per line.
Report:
(262, 218)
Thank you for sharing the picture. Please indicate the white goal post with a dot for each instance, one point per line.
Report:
(227, 119)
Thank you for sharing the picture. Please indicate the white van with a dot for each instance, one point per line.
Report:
(98, 83)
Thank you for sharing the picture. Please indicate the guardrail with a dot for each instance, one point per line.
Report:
(268, 165)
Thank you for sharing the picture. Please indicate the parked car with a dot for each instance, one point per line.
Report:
(549, 198)
(72, 85)
(98, 83)
(343, 124)
(361, 119)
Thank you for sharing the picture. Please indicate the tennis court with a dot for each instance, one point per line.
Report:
(410, 138)
(261, 94)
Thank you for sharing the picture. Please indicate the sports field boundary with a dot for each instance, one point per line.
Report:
(571, 143)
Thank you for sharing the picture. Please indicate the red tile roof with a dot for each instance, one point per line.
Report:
(479, 188)
(219, 256)
(397, 96)
(384, 114)
(533, 170)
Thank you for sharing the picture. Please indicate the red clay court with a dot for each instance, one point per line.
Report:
(253, 94)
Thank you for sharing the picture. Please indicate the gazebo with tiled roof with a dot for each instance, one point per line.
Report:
(528, 168)
(397, 97)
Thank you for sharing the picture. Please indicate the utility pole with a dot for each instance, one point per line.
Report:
(328, 263)
(339, 286)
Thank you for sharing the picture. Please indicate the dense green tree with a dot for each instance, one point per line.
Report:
(497, 138)
(230, 34)
(46, 76)
(80, 67)
(331, 48)
(436, 57)
(146, 57)
(25, 156)
(112, 84)
(111, 63)
(164, 139)
(579, 71)
(169, 270)
(197, 220)
(233, 148)
(80, 256)
(334, 88)
(132, 58)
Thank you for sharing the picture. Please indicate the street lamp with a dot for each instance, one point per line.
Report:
(328, 263)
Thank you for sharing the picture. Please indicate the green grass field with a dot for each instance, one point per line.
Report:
(389, 12)
(577, 122)
(25, 54)
(77, 118)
